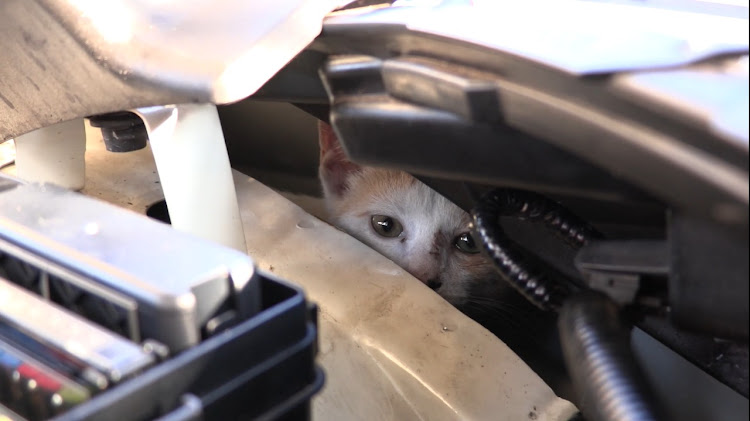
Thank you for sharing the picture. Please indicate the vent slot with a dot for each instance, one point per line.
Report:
(71, 291)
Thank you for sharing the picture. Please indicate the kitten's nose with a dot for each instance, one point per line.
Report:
(434, 284)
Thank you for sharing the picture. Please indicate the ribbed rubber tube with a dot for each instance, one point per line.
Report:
(531, 280)
(596, 347)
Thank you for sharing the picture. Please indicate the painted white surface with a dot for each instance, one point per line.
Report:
(53, 154)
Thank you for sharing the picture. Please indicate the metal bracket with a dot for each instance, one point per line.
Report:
(616, 268)
(191, 157)
(53, 154)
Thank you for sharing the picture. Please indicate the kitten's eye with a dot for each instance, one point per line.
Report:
(386, 226)
(465, 243)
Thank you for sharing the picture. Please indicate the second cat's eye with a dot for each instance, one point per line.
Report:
(465, 243)
(386, 226)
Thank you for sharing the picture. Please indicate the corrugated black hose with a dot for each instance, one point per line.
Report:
(596, 345)
(594, 339)
(531, 280)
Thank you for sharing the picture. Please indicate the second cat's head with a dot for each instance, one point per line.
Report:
(404, 220)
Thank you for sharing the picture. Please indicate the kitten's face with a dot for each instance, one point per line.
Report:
(404, 220)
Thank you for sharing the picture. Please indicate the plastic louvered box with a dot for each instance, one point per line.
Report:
(262, 369)
(242, 344)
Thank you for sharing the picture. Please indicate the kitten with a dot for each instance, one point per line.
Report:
(429, 236)
(406, 221)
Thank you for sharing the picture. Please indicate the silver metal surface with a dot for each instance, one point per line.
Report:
(174, 282)
(63, 59)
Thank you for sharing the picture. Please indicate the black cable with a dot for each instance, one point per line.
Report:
(595, 341)
(531, 280)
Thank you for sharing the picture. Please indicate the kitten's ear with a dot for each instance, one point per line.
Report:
(335, 167)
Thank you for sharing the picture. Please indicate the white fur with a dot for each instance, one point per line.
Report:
(431, 224)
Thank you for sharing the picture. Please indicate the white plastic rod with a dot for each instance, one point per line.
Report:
(191, 157)
(53, 154)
